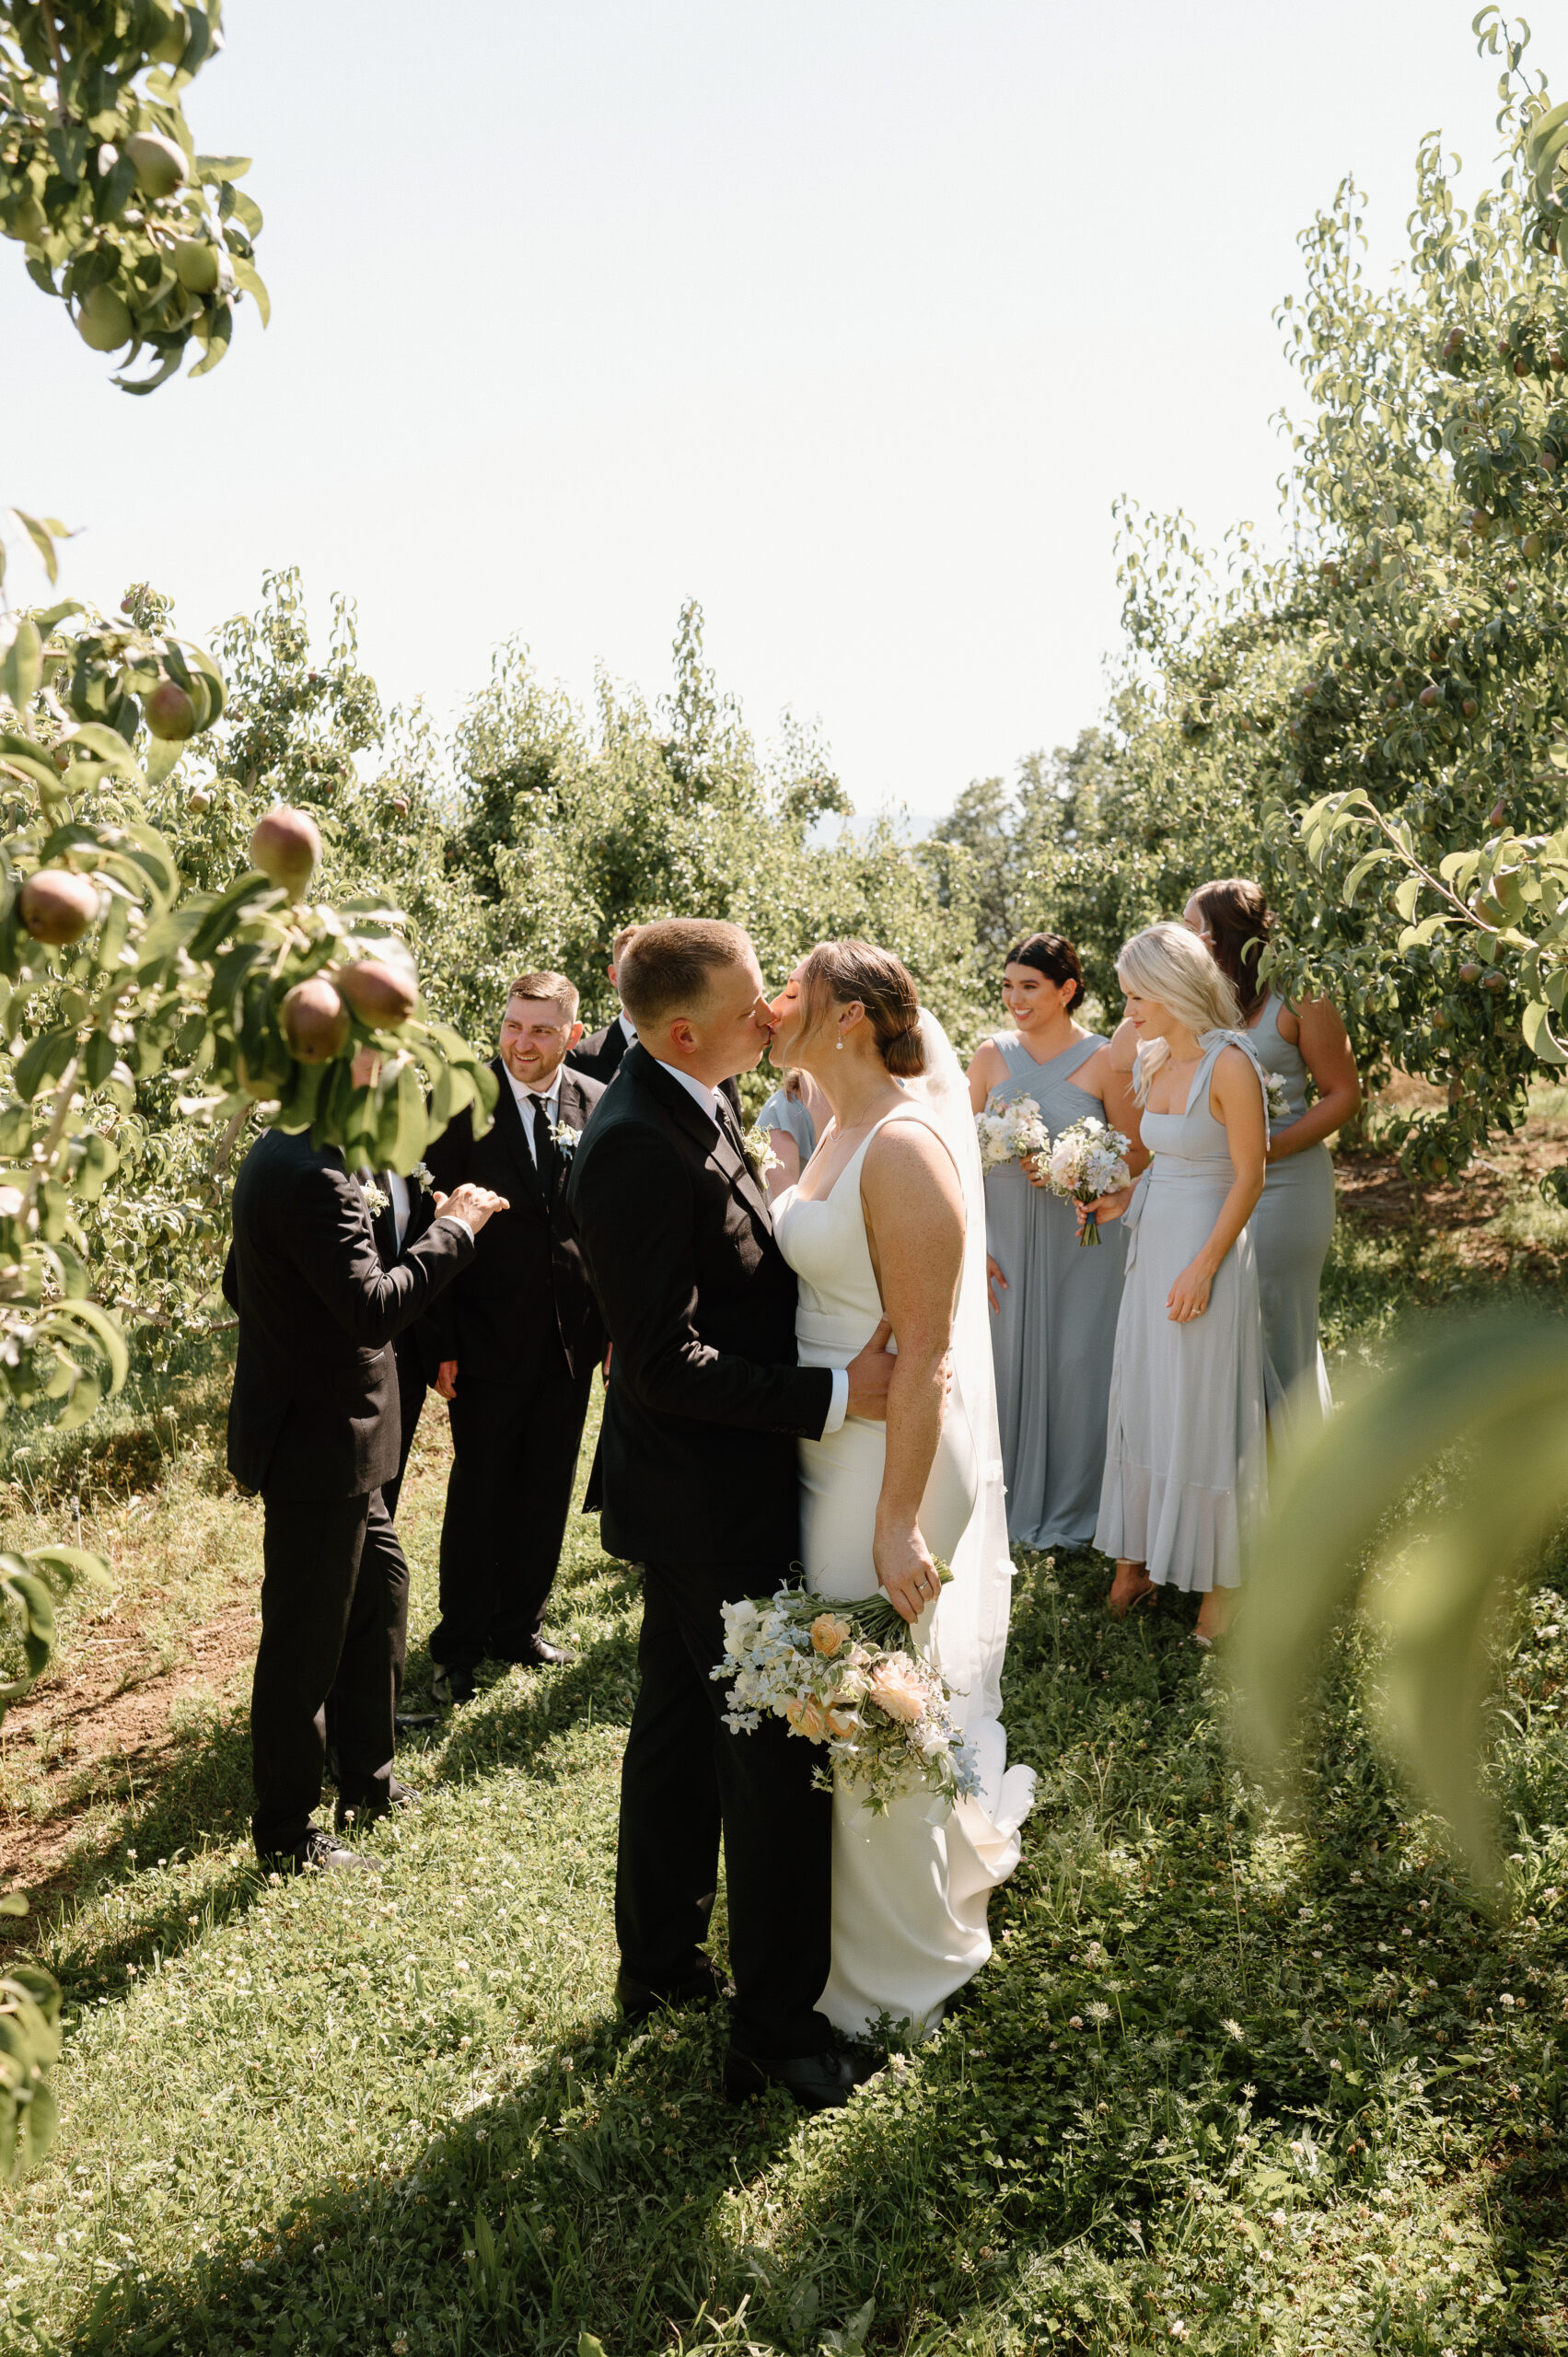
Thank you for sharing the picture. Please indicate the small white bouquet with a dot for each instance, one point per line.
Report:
(1010, 1133)
(1276, 1096)
(842, 1675)
(1087, 1161)
(759, 1152)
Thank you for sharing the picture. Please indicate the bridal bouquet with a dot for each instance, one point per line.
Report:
(1087, 1162)
(844, 1676)
(1009, 1132)
(1276, 1096)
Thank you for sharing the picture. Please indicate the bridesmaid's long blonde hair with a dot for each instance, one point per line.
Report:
(1168, 963)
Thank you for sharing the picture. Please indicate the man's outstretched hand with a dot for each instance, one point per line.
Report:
(869, 1375)
(470, 1203)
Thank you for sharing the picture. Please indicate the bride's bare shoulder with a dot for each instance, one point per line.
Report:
(908, 1163)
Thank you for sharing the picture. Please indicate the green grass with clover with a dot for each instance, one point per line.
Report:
(1235, 2081)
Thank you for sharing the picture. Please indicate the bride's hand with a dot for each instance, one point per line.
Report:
(905, 1570)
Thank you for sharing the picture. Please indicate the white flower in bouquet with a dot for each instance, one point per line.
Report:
(423, 1176)
(844, 1677)
(564, 1138)
(1276, 1096)
(1010, 1133)
(1087, 1161)
(375, 1198)
(759, 1150)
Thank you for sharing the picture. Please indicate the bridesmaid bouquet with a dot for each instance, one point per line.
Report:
(842, 1675)
(1010, 1133)
(1276, 1096)
(1087, 1162)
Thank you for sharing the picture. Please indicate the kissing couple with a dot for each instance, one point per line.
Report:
(807, 1388)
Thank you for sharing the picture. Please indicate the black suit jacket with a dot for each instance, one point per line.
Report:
(526, 1303)
(314, 1410)
(705, 1401)
(599, 1054)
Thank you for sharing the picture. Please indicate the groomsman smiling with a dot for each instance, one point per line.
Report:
(515, 1342)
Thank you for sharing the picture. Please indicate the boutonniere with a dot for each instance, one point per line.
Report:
(758, 1153)
(375, 1198)
(564, 1138)
(423, 1176)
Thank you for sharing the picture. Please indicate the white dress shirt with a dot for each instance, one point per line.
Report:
(397, 1188)
(629, 1030)
(706, 1099)
(551, 1093)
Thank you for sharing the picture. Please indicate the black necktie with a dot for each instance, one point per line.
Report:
(544, 1144)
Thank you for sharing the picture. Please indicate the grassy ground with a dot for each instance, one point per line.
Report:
(1233, 2081)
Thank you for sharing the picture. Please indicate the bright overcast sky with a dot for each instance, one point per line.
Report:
(849, 318)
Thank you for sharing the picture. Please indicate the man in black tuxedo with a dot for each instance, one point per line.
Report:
(703, 1407)
(601, 1053)
(314, 1425)
(402, 1216)
(516, 1342)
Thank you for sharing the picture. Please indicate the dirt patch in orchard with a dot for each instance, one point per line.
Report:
(99, 1730)
(1382, 1200)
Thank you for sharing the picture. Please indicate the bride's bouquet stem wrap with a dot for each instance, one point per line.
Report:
(1087, 1161)
(846, 1676)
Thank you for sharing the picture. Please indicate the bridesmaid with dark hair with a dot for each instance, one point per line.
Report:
(1295, 1222)
(1055, 1302)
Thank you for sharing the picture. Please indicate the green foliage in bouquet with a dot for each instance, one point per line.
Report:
(148, 244)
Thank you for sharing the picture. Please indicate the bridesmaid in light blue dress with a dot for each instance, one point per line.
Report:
(1185, 1468)
(1294, 1224)
(1055, 1302)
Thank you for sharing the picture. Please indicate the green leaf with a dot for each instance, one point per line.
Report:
(44, 1059)
(43, 531)
(108, 745)
(21, 672)
(248, 276)
(104, 1329)
(1540, 1038)
(222, 167)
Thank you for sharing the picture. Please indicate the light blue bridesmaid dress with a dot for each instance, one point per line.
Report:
(1185, 1465)
(1291, 1228)
(1054, 1337)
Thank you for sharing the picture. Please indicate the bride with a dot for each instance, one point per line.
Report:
(888, 1219)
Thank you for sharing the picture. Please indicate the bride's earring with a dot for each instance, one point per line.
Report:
(839, 1042)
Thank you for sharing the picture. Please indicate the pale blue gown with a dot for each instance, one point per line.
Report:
(1291, 1229)
(1054, 1337)
(1185, 1464)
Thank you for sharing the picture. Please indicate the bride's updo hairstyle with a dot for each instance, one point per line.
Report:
(837, 973)
(1167, 963)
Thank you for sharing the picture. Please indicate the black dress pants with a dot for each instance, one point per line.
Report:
(334, 1624)
(514, 1459)
(684, 1774)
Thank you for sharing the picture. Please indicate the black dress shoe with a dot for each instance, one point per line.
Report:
(539, 1655)
(452, 1686)
(365, 1811)
(411, 1721)
(705, 1985)
(817, 2082)
(320, 1853)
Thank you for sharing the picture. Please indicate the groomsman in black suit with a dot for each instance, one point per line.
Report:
(314, 1425)
(514, 1343)
(599, 1054)
(404, 1215)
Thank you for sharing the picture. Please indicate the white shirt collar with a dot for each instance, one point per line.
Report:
(551, 1092)
(701, 1096)
(630, 1029)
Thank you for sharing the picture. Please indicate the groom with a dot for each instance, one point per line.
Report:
(704, 1406)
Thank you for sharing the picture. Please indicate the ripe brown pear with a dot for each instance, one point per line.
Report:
(57, 905)
(381, 997)
(287, 847)
(315, 1021)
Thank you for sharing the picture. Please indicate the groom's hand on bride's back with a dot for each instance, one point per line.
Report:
(869, 1375)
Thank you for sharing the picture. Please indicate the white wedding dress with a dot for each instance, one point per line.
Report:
(911, 1887)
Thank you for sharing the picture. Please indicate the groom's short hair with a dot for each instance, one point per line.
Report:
(669, 969)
